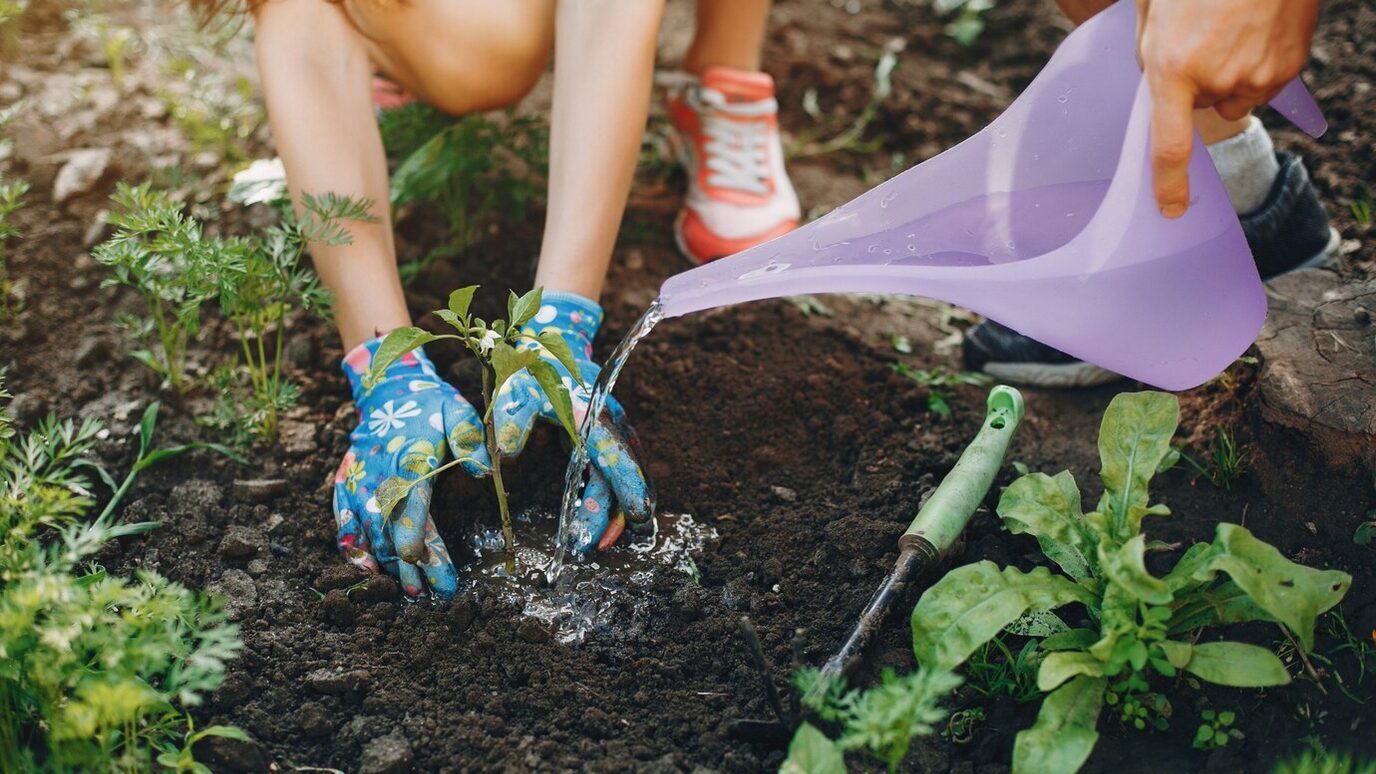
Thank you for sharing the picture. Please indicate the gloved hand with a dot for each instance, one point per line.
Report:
(617, 489)
(406, 420)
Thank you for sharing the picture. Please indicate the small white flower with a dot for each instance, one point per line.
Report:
(263, 182)
(388, 418)
(488, 341)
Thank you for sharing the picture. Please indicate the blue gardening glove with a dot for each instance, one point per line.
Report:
(617, 489)
(406, 420)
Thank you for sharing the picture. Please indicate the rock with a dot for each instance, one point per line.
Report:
(338, 575)
(461, 614)
(96, 230)
(225, 754)
(334, 682)
(1319, 365)
(533, 630)
(259, 490)
(257, 567)
(296, 437)
(239, 592)
(91, 351)
(784, 493)
(314, 719)
(378, 588)
(338, 610)
(390, 754)
(241, 542)
(195, 498)
(84, 168)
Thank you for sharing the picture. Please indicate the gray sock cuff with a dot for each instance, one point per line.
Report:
(1247, 163)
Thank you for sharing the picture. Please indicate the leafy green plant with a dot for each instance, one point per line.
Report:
(11, 199)
(256, 280)
(852, 138)
(95, 670)
(1366, 531)
(1143, 625)
(470, 167)
(505, 348)
(883, 719)
(1322, 761)
(960, 728)
(1215, 730)
(968, 24)
(1361, 206)
(263, 279)
(1225, 463)
(938, 382)
(218, 115)
(165, 257)
(994, 670)
(181, 757)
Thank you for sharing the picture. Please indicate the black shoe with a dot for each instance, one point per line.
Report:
(1288, 232)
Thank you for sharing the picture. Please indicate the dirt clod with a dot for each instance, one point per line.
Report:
(390, 754)
(241, 542)
(260, 490)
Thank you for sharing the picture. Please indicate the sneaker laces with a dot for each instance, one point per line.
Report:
(737, 152)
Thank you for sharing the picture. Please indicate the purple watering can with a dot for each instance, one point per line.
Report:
(1046, 222)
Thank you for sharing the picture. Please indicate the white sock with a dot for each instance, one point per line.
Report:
(1247, 163)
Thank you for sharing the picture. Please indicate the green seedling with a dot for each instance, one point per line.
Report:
(264, 279)
(257, 281)
(1144, 626)
(961, 726)
(11, 199)
(164, 256)
(181, 758)
(217, 115)
(98, 669)
(938, 382)
(884, 719)
(504, 348)
(1137, 705)
(1225, 464)
(968, 24)
(852, 138)
(1216, 730)
(470, 167)
(1319, 760)
(1361, 206)
(994, 670)
(1366, 531)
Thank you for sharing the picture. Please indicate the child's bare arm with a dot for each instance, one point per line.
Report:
(316, 79)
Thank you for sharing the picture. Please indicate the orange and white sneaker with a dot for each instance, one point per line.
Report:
(739, 195)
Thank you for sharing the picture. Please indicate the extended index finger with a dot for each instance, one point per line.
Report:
(1172, 142)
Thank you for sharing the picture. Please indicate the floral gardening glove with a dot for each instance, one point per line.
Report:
(406, 419)
(617, 488)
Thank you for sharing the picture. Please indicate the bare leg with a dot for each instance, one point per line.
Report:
(730, 33)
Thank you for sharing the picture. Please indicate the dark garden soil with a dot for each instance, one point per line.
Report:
(789, 434)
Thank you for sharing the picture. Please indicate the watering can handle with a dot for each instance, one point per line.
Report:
(1298, 105)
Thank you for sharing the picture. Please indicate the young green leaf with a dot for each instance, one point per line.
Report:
(390, 494)
(972, 604)
(554, 344)
(523, 309)
(225, 732)
(811, 752)
(1236, 664)
(1048, 508)
(507, 361)
(1058, 667)
(558, 396)
(461, 299)
(1293, 594)
(1127, 567)
(1134, 437)
(397, 343)
(1064, 735)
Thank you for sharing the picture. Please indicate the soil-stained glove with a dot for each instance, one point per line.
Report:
(406, 420)
(617, 489)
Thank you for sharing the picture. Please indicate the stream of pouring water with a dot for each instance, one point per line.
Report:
(578, 460)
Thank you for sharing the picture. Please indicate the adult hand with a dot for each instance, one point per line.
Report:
(406, 421)
(617, 488)
(1231, 55)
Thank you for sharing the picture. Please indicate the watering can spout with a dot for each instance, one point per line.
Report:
(1046, 222)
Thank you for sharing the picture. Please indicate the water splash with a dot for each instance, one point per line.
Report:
(576, 476)
(597, 595)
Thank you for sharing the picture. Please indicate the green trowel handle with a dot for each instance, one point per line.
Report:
(941, 520)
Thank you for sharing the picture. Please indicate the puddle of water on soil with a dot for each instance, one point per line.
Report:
(577, 474)
(589, 595)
